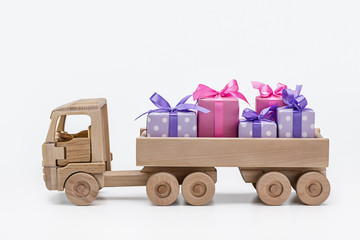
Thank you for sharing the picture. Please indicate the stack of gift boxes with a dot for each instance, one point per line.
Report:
(278, 113)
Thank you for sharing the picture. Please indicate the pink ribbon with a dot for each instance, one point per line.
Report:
(266, 91)
(230, 90)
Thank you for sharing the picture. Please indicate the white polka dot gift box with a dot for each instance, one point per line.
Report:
(180, 121)
(258, 126)
(294, 120)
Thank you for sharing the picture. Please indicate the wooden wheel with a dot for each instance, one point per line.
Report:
(162, 188)
(81, 188)
(273, 188)
(313, 188)
(198, 188)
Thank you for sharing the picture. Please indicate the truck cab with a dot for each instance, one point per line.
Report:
(86, 151)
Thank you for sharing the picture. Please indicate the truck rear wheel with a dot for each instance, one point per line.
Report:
(313, 188)
(81, 188)
(273, 188)
(198, 188)
(162, 188)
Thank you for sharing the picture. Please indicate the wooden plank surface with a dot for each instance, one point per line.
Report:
(233, 152)
(77, 149)
(125, 178)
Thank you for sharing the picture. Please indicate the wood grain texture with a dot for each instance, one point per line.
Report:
(77, 150)
(140, 178)
(82, 104)
(125, 178)
(50, 179)
(313, 188)
(162, 189)
(64, 172)
(181, 172)
(198, 189)
(51, 153)
(81, 189)
(293, 174)
(273, 188)
(232, 152)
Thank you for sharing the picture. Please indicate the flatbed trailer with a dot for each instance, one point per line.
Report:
(271, 165)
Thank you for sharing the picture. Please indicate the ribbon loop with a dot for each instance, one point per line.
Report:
(164, 106)
(159, 101)
(293, 99)
(266, 91)
(267, 114)
(230, 89)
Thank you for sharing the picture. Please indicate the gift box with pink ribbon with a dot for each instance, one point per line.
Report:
(223, 118)
(258, 126)
(295, 120)
(268, 97)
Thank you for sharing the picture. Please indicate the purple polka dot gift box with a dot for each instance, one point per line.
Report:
(258, 126)
(294, 120)
(180, 121)
(158, 124)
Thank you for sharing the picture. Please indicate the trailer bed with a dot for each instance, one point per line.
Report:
(233, 152)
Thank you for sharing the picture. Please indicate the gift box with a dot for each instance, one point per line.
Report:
(180, 121)
(268, 97)
(223, 118)
(158, 124)
(294, 120)
(258, 126)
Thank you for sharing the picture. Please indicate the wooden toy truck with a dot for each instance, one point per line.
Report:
(80, 163)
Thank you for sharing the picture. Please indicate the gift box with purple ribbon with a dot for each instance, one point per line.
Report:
(295, 120)
(180, 121)
(258, 126)
(268, 97)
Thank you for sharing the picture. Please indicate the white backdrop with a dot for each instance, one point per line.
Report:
(53, 52)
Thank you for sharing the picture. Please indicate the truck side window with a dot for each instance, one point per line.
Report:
(76, 124)
(73, 126)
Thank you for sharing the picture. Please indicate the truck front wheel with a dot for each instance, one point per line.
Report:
(81, 188)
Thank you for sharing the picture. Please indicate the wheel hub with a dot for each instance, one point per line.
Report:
(275, 189)
(314, 189)
(198, 189)
(81, 189)
(162, 189)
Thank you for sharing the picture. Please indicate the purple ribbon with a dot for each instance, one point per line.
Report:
(164, 106)
(267, 115)
(297, 102)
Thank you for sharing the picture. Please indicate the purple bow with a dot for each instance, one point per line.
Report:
(164, 106)
(297, 102)
(267, 114)
(294, 99)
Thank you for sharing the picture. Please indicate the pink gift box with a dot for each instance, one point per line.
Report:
(268, 97)
(262, 103)
(223, 118)
(230, 116)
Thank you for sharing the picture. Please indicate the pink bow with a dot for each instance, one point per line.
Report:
(266, 91)
(231, 89)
